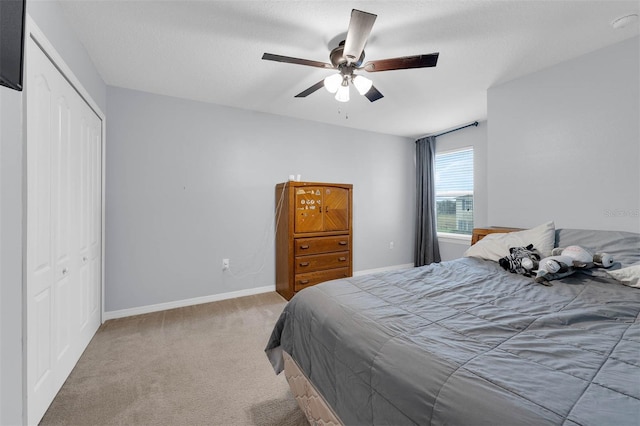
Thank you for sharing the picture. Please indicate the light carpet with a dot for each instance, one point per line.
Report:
(198, 365)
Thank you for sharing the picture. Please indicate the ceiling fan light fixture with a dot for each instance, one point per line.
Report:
(332, 83)
(342, 95)
(363, 84)
(348, 57)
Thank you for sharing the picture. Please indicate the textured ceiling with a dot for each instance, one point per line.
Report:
(211, 51)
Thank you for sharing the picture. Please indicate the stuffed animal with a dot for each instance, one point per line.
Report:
(564, 262)
(521, 260)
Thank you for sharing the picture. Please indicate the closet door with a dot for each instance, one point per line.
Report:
(89, 222)
(63, 175)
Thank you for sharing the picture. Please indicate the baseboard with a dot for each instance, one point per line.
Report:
(186, 302)
(108, 315)
(383, 269)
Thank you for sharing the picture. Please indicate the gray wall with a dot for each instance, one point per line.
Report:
(551, 130)
(190, 183)
(564, 144)
(49, 17)
(476, 137)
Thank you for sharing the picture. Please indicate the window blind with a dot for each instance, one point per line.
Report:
(454, 191)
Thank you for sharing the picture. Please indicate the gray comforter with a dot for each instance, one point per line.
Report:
(467, 343)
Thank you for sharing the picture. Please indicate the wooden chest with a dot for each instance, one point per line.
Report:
(313, 234)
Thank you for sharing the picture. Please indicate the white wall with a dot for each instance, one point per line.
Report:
(564, 144)
(0, 264)
(49, 17)
(191, 183)
(476, 137)
(10, 256)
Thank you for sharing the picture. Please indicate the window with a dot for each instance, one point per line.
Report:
(454, 191)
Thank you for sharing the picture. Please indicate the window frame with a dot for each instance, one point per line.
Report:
(451, 235)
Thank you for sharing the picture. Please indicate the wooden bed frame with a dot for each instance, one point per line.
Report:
(480, 233)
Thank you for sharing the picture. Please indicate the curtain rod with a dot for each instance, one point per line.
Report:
(475, 123)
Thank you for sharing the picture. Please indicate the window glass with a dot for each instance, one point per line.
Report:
(454, 191)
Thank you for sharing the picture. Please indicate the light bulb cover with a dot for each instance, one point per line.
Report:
(342, 95)
(332, 83)
(363, 84)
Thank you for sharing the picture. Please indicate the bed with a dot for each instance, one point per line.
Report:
(465, 342)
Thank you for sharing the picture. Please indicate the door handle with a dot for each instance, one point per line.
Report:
(65, 271)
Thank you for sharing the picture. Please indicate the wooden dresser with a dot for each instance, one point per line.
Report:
(313, 234)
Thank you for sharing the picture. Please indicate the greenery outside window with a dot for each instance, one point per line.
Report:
(454, 191)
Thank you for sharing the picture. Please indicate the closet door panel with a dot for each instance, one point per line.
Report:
(61, 211)
(90, 220)
(40, 257)
(96, 219)
(39, 197)
(83, 222)
(63, 175)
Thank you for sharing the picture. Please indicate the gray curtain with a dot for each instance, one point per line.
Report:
(427, 250)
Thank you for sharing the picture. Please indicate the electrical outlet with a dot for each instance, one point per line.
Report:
(225, 264)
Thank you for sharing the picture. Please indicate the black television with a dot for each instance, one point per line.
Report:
(12, 16)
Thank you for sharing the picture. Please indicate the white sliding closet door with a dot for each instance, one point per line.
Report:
(89, 224)
(63, 272)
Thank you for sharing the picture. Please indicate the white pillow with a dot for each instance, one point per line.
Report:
(628, 276)
(495, 246)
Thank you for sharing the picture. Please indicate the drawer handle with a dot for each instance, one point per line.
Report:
(342, 258)
(342, 243)
(304, 281)
(304, 263)
(304, 246)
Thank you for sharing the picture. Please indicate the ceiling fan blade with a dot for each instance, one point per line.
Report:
(403, 63)
(290, 60)
(373, 94)
(359, 29)
(311, 89)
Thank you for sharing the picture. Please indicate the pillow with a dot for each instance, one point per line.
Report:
(495, 246)
(628, 276)
(623, 246)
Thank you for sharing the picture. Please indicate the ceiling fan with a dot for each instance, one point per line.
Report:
(348, 57)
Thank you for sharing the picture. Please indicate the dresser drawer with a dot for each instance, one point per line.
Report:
(304, 246)
(312, 278)
(319, 262)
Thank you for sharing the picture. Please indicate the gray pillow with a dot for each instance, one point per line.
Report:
(623, 246)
